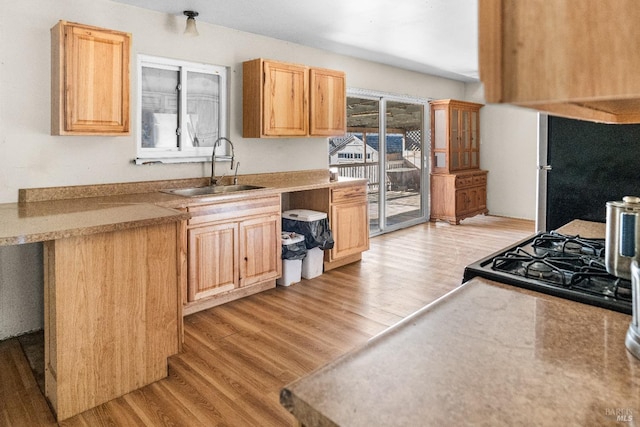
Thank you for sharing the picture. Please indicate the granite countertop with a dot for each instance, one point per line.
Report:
(58, 212)
(484, 354)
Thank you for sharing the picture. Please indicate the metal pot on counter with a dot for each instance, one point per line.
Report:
(622, 256)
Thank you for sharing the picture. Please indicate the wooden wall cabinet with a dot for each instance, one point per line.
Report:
(288, 100)
(89, 80)
(232, 250)
(575, 59)
(458, 186)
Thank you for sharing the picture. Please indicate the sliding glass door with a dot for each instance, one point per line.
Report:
(385, 144)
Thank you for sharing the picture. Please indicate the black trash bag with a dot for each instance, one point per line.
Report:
(316, 233)
(297, 250)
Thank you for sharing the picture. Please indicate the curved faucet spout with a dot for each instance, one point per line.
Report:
(216, 144)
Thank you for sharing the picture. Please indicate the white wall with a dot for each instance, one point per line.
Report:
(508, 150)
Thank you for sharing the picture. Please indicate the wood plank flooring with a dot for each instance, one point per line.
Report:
(239, 355)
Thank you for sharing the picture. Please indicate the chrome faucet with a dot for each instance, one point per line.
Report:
(235, 175)
(216, 144)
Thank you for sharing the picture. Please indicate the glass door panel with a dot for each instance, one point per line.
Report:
(355, 155)
(475, 144)
(403, 156)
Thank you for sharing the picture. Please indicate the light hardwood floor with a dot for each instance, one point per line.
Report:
(239, 355)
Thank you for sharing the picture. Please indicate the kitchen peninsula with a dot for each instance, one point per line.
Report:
(484, 354)
(113, 303)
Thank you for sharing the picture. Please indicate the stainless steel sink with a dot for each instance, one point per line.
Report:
(210, 190)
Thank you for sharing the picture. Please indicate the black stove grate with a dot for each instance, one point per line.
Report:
(567, 266)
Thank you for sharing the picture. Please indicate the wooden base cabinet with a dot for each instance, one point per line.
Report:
(111, 315)
(348, 211)
(232, 250)
(458, 196)
(349, 219)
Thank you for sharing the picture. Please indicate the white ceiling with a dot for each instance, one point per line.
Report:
(436, 37)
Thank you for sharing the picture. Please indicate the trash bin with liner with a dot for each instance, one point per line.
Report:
(314, 226)
(294, 251)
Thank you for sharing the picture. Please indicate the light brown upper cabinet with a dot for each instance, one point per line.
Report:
(576, 59)
(89, 80)
(328, 102)
(289, 100)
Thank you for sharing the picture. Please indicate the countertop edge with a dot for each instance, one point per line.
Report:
(49, 203)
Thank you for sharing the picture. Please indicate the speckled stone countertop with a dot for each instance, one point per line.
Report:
(485, 354)
(57, 212)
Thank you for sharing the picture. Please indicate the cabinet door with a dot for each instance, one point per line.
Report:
(482, 198)
(462, 201)
(474, 199)
(350, 228)
(213, 260)
(259, 249)
(328, 102)
(93, 79)
(286, 104)
(455, 142)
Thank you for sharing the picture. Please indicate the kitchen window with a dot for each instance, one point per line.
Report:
(183, 110)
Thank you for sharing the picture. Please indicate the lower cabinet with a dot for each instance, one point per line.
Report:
(232, 250)
(349, 220)
(110, 315)
(347, 208)
(458, 196)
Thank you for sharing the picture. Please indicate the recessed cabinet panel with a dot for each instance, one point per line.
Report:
(213, 261)
(285, 100)
(328, 113)
(90, 80)
(258, 260)
(349, 220)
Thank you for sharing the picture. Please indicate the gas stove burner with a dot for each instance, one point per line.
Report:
(573, 247)
(565, 244)
(543, 271)
(539, 269)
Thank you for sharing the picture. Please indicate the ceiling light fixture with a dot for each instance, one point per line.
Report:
(190, 29)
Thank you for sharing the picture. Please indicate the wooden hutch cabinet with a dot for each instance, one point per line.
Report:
(458, 185)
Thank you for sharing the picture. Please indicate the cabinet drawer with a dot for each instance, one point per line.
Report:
(232, 210)
(464, 181)
(348, 194)
(479, 179)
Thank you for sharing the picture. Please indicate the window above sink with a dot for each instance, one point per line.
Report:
(182, 110)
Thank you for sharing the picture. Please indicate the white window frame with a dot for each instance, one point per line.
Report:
(182, 153)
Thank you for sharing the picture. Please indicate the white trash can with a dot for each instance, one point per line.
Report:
(291, 266)
(308, 222)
